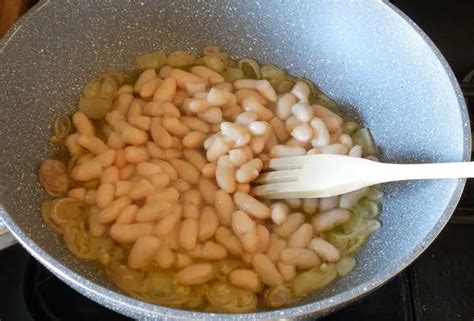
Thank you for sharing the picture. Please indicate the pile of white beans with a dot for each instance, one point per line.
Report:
(171, 180)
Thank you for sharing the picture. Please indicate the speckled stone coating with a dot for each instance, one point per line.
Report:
(365, 54)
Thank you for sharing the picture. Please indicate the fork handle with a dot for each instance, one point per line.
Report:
(399, 172)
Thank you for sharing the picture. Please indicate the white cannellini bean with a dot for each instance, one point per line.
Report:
(253, 104)
(293, 221)
(245, 279)
(259, 128)
(291, 123)
(302, 112)
(245, 84)
(226, 237)
(249, 171)
(279, 129)
(325, 250)
(310, 205)
(279, 213)
(321, 136)
(350, 199)
(220, 146)
(301, 258)
(328, 203)
(246, 230)
(302, 133)
(275, 247)
(266, 89)
(142, 252)
(266, 270)
(346, 140)
(301, 91)
(327, 220)
(195, 274)
(225, 174)
(301, 237)
(238, 134)
(284, 104)
(239, 156)
(224, 206)
(286, 151)
(293, 202)
(251, 205)
(336, 149)
(246, 117)
(355, 151)
(218, 97)
(212, 115)
(288, 271)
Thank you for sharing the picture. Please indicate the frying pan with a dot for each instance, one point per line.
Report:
(366, 55)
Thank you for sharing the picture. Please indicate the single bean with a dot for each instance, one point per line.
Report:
(87, 171)
(141, 189)
(275, 247)
(212, 251)
(327, 220)
(286, 151)
(164, 257)
(195, 157)
(183, 77)
(168, 194)
(111, 212)
(129, 233)
(122, 188)
(251, 205)
(293, 221)
(92, 144)
(127, 171)
(185, 170)
(182, 260)
(136, 154)
(208, 223)
(249, 171)
(196, 124)
(246, 230)
(209, 74)
(209, 170)
(105, 195)
(350, 199)
(241, 94)
(83, 124)
(301, 258)
(159, 134)
(225, 174)
(321, 136)
(142, 252)
(265, 88)
(355, 151)
(188, 233)
(302, 112)
(310, 205)
(167, 168)
(263, 236)
(279, 212)
(325, 250)
(246, 118)
(243, 187)
(302, 133)
(212, 115)
(336, 149)
(294, 203)
(133, 136)
(144, 77)
(288, 271)
(127, 215)
(166, 91)
(284, 105)
(110, 175)
(301, 237)
(195, 274)
(226, 238)
(245, 279)
(175, 127)
(167, 223)
(153, 211)
(266, 270)
(194, 139)
(208, 189)
(190, 211)
(218, 97)
(224, 206)
(328, 203)
(245, 84)
(301, 91)
(253, 104)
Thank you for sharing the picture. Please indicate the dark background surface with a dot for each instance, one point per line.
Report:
(439, 286)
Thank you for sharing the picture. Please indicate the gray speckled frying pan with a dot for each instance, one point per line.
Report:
(365, 54)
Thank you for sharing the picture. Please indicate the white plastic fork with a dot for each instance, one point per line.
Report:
(330, 175)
